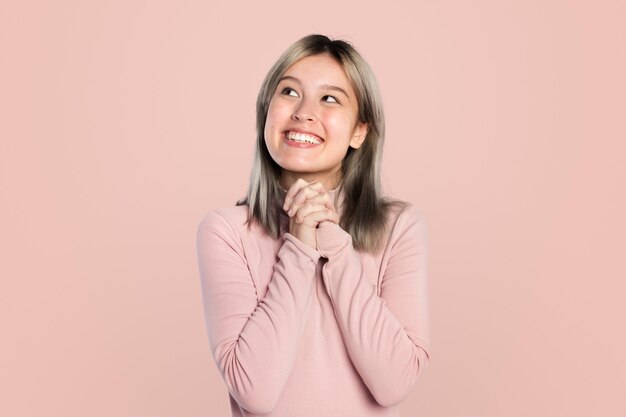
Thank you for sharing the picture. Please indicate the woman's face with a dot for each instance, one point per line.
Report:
(313, 102)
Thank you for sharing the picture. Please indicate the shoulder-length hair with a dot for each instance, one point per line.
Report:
(365, 211)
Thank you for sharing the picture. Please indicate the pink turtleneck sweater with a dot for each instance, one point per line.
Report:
(300, 331)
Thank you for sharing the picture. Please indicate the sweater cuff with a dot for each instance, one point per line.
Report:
(331, 239)
(312, 253)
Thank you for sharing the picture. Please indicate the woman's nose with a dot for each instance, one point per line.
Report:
(304, 112)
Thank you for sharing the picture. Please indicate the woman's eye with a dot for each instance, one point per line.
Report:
(291, 92)
(287, 91)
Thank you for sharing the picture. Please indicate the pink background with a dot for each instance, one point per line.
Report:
(123, 122)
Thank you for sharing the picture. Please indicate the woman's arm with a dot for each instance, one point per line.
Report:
(386, 336)
(253, 341)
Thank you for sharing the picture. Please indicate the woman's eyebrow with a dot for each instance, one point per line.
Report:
(326, 86)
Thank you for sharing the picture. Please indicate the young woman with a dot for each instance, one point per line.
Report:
(314, 284)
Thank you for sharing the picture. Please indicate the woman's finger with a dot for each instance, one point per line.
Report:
(310, 212)
(322, 199)
(294, 190)
(304, 194)
(323, 195)
(315, 216)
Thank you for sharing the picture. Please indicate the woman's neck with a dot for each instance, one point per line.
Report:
(287, 181)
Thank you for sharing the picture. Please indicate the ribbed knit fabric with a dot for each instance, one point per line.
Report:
(299, 331)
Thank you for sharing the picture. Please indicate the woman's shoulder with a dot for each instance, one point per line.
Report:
(224, 219)
(404, 215)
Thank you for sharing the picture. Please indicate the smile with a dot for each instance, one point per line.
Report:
(302, 138)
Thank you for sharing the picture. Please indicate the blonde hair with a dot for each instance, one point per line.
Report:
(365, 210)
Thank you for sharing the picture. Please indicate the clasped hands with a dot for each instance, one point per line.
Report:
(308, 204)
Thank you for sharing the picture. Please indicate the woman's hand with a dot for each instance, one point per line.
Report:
(308, 204)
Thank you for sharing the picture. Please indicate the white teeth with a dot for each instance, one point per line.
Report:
(302, 137)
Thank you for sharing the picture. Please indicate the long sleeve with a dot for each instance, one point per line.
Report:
(254, 342)
(387, 337)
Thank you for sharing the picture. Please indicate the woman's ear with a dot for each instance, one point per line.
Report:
(360, 131)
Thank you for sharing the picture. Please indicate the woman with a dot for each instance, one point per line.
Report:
(314, 285)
